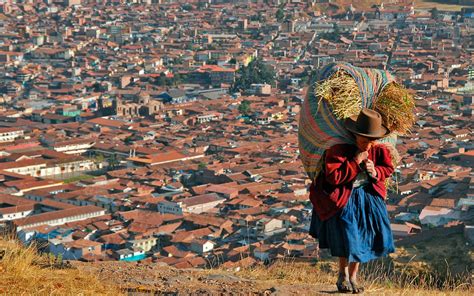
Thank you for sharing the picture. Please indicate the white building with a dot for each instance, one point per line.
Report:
(39, 167)
(202, 246)
(78, 146)
(196, 204)
(8, 134)
(59, 217)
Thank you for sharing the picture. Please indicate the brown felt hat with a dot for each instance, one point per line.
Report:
(368, 124)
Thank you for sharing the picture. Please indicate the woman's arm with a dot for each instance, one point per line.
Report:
(339, 168)
(383, 166)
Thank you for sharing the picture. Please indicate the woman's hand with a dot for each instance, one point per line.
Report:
(369, 165)
(361, 156)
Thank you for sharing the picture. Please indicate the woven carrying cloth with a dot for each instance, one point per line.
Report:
(319, 129)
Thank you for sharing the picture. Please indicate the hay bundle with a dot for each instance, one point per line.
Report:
(396, 105)
(342, 93)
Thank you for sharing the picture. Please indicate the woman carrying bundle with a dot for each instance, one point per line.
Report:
(349, 213)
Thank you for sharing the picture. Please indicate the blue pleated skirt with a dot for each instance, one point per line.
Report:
(360, 231)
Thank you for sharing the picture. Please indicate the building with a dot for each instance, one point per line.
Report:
(201, 246)
(75, 249)
(146, 244)
(10, 134)
(196, 204)
(12, 207)
(59, 217)
(50, 167)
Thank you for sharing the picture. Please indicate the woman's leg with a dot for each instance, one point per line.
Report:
(353, 269)
(343, 277)
(343, 265)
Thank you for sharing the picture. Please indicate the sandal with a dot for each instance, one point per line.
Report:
(356, 288)
(343, 287)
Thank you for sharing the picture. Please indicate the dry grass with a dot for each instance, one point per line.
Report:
(25, 272)
(422, 4)
(379, 277)
(397, 107)
(428, 5)
(342, 94)
(287, 271)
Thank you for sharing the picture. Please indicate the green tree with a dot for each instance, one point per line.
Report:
(187, 7)
(255, 72)
(280, 14)
(113, 161)
(202, 165)
(434, 13)
(244, 107)
(161, 80)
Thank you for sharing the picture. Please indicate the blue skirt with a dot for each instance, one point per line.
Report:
(360, 231)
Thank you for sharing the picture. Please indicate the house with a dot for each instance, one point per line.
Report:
(263, 252)
(223, 190)
(200, 203)
(262, 228)
(405, 229)
(75, 249)
(201, 246)
(146, 244)
(173, 251)
(9, 134)
(129, 254)
(437, 216)
(169, 207)
(12, 207)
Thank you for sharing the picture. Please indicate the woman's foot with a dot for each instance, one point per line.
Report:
(356, 287)
(342, 284)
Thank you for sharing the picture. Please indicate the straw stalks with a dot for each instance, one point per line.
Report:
(342, 93)
(23, 271)
(412, 275)
(396, 106)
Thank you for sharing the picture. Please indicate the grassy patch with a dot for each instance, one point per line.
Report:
(25, 272)
(78, 178)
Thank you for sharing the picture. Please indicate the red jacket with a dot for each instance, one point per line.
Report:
(331, 190)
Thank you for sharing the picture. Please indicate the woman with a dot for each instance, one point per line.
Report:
(349, 213)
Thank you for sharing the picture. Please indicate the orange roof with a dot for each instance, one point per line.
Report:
(214, 68)
(165, 157)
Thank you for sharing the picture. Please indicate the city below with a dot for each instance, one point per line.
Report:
(167, 131)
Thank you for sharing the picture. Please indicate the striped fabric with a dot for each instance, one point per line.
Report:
(318, 127)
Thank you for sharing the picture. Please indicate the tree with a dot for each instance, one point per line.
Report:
(280, 14)
(255, 72)
(434, 13)
(187, 7)
(202, 165)
(244, 107)
(161, 80)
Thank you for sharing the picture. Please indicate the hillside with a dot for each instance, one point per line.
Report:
(422, 4)
(26, 272)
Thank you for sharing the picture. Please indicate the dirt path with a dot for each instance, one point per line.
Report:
(159, 279)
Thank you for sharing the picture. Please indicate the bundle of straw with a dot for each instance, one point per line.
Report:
(396, 106)
(342, 93)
